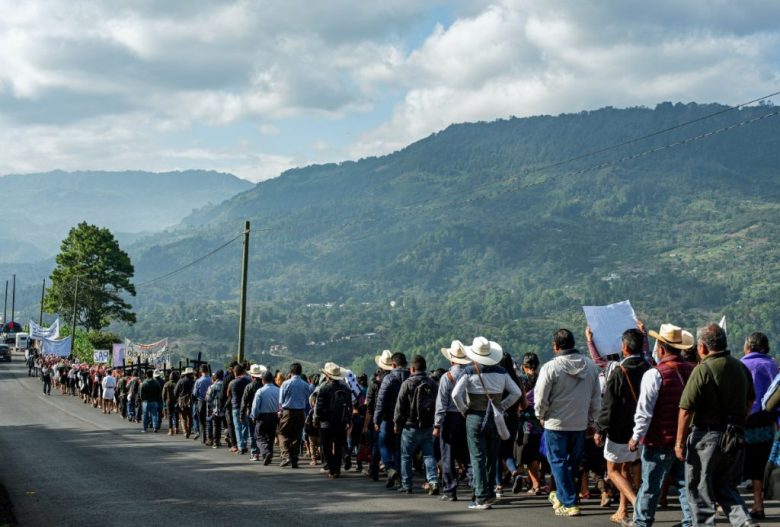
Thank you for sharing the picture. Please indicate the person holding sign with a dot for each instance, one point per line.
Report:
(615, 424)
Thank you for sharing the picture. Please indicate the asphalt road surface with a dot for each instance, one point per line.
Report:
(65, 463)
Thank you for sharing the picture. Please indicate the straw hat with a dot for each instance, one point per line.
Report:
(157, 373)
(257, 370)
(333, 371)
(456, 353)
(385, 360)
(188, 371)
(673, 336)
(484, 351)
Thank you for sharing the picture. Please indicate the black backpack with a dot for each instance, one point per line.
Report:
(424, 403)
(340, 405)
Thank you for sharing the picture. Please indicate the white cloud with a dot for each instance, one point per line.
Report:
(529, 57)
(156, 85)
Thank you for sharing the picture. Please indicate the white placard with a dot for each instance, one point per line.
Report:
(100, 356)
(608, 324)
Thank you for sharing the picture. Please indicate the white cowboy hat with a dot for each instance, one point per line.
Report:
(188, 371)
(456, 353)
(385, 360)
(484, 351)
(333, 371)
(157, 373)
(257, 370)
(673, 336)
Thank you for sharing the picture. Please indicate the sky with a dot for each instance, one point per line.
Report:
(257, 87)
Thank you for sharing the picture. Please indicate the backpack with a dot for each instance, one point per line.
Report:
(423, 407)
(340, 410)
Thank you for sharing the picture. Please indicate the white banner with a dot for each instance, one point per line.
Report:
(155, 353)
(100, 356)
(117, 354)
(61, 348)
(39, 332)
(608, 324)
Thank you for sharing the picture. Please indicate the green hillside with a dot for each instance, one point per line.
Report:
(479, 229)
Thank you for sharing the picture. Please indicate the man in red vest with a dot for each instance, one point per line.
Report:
(655, 425)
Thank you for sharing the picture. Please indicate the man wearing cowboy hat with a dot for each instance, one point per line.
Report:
(449, 425)
(655, 424)
(385, 364)
(183, 395)
(717, 399)
(264, 412)
(389, 442)
(483, 383)
(332, 414)
(256, 372)
(567, 399)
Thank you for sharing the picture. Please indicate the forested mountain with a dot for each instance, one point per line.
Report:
(504, 229)
(41, 208)
(481, 229)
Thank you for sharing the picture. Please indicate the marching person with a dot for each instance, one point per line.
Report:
(150, 394)
(615, 423)
(293, 398)
(716, 399)
(199, 392)
(449, 425)
(481, 385)
(655, 425)
(760, 424)
(567, 400)
(183, 395)
(265, 414)
(389, 441)
(332, 415)
(413, 419)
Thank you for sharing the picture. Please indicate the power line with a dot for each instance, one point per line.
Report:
(190, 264)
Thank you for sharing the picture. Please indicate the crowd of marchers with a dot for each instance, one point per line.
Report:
(688, 418)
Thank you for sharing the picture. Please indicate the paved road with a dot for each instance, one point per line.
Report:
(65, 463)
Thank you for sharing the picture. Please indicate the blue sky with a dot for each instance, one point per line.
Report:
(257, 87)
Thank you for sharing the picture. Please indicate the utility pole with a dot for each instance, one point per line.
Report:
(5, 304)
(242, 309)
(73, 323)
(43, 291)
(13, 302)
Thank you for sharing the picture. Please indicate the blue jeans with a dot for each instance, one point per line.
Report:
(483, 451)
(657, 462)
(241, 429)
(411, 440)
(151, 413)
(173, 418)
(195, 417)
(388, 446)
(564, 453)
(710, 476)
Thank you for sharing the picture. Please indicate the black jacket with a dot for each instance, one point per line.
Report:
(402, 416)
(618, 405)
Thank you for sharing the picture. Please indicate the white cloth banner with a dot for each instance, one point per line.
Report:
(100, 356)
(60, 348)
(39, 332)
(608, 324)
(155, 353)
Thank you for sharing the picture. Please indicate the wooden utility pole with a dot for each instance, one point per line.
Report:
(13, 301)
(73, 320)
(5, 304)
(242, 309)
(43, 291)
